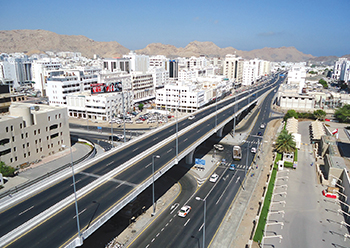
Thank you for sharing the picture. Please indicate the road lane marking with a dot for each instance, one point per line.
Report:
(169, 151)
(198, 131)
(26, 210)
(155, 138)
(162, 229)
(75, 216)
(201, 227)
(224, 190)
(187, 222)
(157, 235)
(75, 182)
(167, 224)
(185, 139)
(147, 246)
(135, 149)
(110, 163)
(153, 240)
(148, 165)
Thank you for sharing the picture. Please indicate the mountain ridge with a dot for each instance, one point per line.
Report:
(35, 41)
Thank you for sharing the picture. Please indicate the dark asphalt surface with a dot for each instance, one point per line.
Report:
(63, 222)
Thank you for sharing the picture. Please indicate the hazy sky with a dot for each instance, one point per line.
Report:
(320, 28)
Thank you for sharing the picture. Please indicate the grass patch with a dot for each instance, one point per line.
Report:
(296, 155)
(288, 164)
(259, 232)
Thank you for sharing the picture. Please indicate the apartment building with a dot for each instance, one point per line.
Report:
(143, 87)
(115, 65)
(40, 71)
(31, 132)
(103, 106)
(233, 68)
(138, 62)
(296, 76)
(63, 82)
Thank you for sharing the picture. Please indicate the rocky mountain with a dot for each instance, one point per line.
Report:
(36, 41)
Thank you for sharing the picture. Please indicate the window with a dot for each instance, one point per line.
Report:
(28, 154)
(26, 135)
(24, 146)
(7, 129)
(25, 155)
(41, 149)
(20, 125)
(13, 138)
(34, 132)
(40, 140)
(27, 144)
(22, 135)
(14, 149)
(16, 158)
(11, 127)
(38, 131)
(37, 150)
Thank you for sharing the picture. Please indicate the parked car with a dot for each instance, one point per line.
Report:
(184, 211)
(253, 150)
(138, 121)
(214, 178)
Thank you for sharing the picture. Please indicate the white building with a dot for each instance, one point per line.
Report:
(16, 68)
(138, 62)
(32, 132)
(159, 62)
(116, 65)
(143, 87)
(296, 76)
(40, 71)
(160, 76)
(341, 70)
(62, 83)
(101, 107)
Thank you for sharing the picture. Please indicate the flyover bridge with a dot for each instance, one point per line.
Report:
(107, 183)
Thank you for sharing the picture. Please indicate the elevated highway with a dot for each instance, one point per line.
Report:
(108, 183)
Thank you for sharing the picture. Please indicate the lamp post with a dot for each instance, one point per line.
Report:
(123, 115)
(154, 207)
(216, 108)
(205, 206)
(75, 195)
(177, 130)
(112, 129)
(246, 163)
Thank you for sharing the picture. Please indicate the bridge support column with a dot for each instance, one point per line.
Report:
(219, 132)
(189, 158)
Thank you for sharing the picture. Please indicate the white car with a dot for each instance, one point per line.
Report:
(191, 117)
(184, 211)
(219, 147)
(253, 150)
(214, 178)
(138, 121)
(262, 126)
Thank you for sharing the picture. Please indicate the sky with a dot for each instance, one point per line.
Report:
(319, 28)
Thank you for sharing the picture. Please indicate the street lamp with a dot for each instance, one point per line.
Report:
(154, 207)
(123, 115)
(75, 194)
(205, 206)
(177, 130)
(216, 109)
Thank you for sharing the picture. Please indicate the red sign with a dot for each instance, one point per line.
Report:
(103, 88)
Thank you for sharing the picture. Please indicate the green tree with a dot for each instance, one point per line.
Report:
(324, 83)
(319, 114)
(285, 142)
(290, 113)
(140, 106)
(343, 113)
(6, 171)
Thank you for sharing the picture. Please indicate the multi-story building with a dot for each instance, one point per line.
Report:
(338, 67)
(40, 71)
(296, 76)
(233, 68)
(17, 69)
(115, 65)
(103, 106)
(143, 87)
(173, 69)
(31, 132)
(159, 61)
(138, 62)
(62, 83)
(160, 76)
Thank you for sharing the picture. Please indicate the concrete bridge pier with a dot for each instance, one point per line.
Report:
(189, 157)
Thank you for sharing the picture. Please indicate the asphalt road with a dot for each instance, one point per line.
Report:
(63, 223)
(170, 230)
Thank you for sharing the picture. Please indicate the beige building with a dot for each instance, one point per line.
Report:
(31, 132)
(233, 68)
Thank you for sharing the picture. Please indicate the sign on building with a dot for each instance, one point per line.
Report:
(103, 87)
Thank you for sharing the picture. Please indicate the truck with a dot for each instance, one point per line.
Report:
(237, 153)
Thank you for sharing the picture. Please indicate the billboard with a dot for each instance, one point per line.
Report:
(103, 87)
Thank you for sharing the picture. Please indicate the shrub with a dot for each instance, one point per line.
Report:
(6, 171)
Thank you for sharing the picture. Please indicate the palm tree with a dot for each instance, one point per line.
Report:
(285, 142)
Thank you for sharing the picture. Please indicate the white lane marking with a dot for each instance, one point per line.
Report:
(80, 213)
(224, 191)
(198, 131)
(162, 229)
(170, 220)
(157, 235)
(171, 130)
(169, 151)
(167, 224)
(135, 149)
(237, 179)
(75, 182)
(186, 222)
(185, 139)
(110, 163)
(26, 210)
(147, 246)
(208, 125)
(155, 138)
(153, 240)
(201, 227)
(148, 165)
